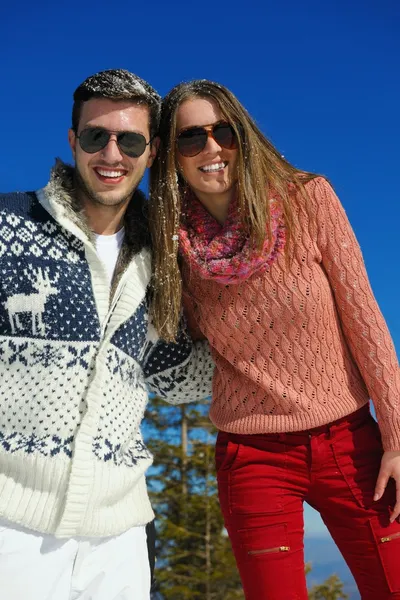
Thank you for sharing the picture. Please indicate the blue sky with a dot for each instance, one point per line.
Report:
(321, 78)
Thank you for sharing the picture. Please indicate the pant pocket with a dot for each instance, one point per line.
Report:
(358, 456)
(269, 567)
(264, 542)
(387, 539)
(226, 454)
(256, 482)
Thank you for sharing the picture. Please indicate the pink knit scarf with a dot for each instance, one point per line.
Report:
(223, 252)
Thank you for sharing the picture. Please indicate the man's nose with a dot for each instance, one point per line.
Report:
(111, 152)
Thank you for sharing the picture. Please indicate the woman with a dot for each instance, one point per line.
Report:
(274, 278)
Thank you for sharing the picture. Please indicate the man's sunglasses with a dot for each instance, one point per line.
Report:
(94, 139)
(192, 141)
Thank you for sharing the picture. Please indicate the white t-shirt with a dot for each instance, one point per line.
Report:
(108, 247)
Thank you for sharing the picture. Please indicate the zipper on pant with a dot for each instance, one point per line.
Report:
(270, 550)
(389, 538)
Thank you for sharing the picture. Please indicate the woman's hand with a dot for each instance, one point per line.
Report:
(390, 467)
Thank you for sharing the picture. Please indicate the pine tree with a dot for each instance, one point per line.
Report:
(331, 589)
(194, 558)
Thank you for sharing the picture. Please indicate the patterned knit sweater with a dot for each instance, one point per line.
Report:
(74, 371)
(302, 344)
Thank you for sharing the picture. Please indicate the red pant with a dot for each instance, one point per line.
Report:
(263, 481)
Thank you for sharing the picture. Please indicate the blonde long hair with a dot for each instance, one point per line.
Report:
(260, 168)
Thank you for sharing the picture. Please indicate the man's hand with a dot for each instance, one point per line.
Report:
(390, 467)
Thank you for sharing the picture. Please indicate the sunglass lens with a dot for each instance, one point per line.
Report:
(132, 144)
(92, 140)
(225, 136)
(192, 141)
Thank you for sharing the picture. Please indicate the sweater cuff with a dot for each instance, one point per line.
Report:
(390, 430)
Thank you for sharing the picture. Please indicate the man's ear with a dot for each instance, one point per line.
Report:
(155, 144)
(72, 141)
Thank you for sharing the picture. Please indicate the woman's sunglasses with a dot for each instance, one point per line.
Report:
(94, 139)
(192, 141)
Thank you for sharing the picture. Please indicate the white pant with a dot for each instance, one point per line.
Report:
(35, 566)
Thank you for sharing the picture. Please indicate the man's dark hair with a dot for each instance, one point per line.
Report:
(117, 84)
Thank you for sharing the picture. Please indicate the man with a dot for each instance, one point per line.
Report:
(76, 354)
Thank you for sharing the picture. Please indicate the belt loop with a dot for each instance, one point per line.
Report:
(331, 431)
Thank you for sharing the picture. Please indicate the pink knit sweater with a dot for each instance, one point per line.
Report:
(303, 344)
